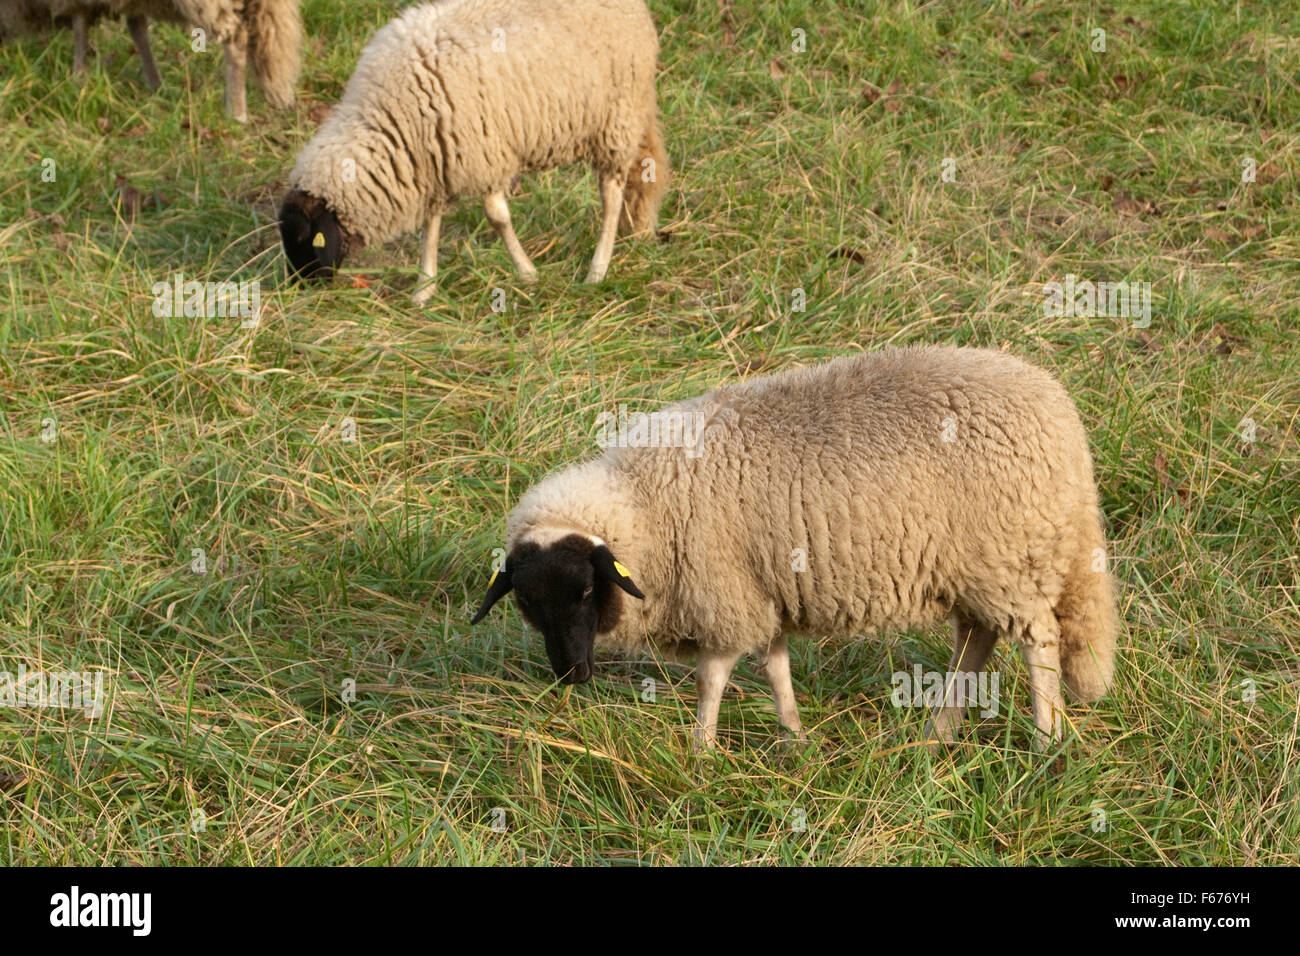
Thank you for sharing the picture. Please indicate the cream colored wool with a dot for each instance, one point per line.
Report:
(455, 98)
(266, 32)
(919, 484)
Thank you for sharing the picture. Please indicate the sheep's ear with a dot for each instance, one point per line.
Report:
(608, 569)
(327, 242)
(498, 587)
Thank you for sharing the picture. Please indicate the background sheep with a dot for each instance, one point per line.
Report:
(269, 32)
(457, 97)
(915, 484)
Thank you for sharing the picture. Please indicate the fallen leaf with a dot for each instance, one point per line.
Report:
(1222, 341)
(1148, 341)
(1253, 232)
(871, 93)
(775, 69)
(359, 282)
(1038, 78)
(1215, 234)
(319, 112)
(130, 198)
(1126, 205)
(1161, 466)
(103, 124)
(853, 255)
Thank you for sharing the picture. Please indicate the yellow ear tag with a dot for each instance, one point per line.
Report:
(318, 240)
(621, 570)
(492, 580)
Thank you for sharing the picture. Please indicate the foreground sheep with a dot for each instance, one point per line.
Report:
(457, 97)
(267, 31)
(881, 490)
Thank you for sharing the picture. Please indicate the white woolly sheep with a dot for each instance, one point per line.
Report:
(267, 31)
(457, 97)
(885, 490)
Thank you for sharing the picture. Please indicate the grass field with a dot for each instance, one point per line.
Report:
(225, 738)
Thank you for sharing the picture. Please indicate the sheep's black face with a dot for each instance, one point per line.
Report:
(314, 242)
(568, 590)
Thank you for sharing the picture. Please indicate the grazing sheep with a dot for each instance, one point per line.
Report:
(880, 490)
(455, 98)
(267, 31)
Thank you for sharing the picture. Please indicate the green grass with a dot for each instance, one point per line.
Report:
(330, 560)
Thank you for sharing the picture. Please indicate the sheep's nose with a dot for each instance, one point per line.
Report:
(579, 674)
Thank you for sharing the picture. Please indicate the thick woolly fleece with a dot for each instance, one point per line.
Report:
(266, 32)
(457, 97)
(882, 490)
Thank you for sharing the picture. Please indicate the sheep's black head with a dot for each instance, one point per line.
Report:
(314, 242)
(568, 590)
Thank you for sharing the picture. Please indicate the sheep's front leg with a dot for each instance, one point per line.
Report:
(1042, 652)
(775, 664)
(138, 27)
(711, 673)
(498, 213)
(80, 42)
(429, 261)
(611, 200)
(236, 68)
(972, 645)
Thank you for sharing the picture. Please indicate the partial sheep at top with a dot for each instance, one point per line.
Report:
(885, 490)
(456, 98)
(266, 32)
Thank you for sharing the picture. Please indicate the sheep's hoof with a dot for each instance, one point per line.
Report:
(703, 742)
(1045, 742)
(939, 737)
(792, 741)
(596, 275)
(423, 295)
(528, 276)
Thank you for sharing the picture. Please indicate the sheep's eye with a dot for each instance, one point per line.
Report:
(587, 593)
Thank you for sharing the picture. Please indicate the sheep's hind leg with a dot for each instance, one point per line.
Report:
(711, 673)
(775, 664)
(236, 69)
(138, 27)
(428, 279)
(80, 42)
(611, 200)
(972, 644)
(1041, 649)
(498, 213)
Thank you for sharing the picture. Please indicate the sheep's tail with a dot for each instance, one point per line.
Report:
(275, 46)
(647, 181)
(1087, 616)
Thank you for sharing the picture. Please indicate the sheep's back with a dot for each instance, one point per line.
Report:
(456, 117)
(875, 489)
